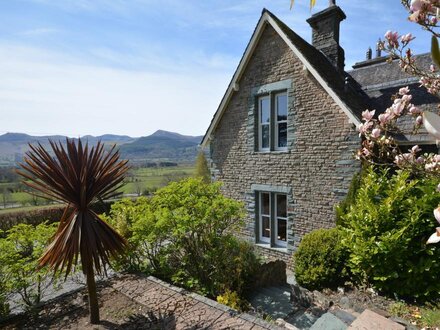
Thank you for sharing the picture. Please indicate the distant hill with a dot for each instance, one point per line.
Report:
(160, 146)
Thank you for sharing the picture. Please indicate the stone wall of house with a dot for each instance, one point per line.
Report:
(318, 165)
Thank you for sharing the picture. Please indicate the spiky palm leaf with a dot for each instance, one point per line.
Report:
(78, 176)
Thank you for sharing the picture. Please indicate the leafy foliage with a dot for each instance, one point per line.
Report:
(385, 232)
(20, 250)
(202, 170)
(320, 260)
(184, 232)
(233, 300)
(343, 207)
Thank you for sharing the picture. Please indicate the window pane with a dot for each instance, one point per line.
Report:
(282, 107)
(265, 135)
(282, 135)
(265, 110)
(281, 206)
(265, 230)
(282, 230)
(265, 204)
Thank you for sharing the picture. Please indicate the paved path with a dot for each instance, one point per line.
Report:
(188, 310)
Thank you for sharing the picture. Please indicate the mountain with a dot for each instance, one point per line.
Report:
(160, 146)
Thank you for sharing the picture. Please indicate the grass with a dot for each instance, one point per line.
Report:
(139, 181)
(152, 178)
(425, 316)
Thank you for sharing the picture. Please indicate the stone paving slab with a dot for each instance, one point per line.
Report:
(372, 320)
(188, 310)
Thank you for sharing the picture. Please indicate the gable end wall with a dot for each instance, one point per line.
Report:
(319, 164)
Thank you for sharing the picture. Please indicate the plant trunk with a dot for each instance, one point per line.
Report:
(93, 297)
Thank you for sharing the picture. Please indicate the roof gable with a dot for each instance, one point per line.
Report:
(313, 60)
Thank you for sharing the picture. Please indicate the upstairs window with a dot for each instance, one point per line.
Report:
(272, 122)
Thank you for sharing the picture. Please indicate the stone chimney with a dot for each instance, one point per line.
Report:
(325, 33)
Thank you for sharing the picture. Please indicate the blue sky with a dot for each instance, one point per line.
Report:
(78, 67)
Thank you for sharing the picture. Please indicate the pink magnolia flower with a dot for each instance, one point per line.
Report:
(415, 149)
(375, 133)
(406, 38)
(406, 98)
(414, 110)
(437, 214)
(404, 90)
(397, 108)
(438, 187)
(420, 160)
(368, 115)
(419, 120)
(416, 5)
(432, 68)
(384, 118)
(363, 128)
(392, 38)
(434, 238)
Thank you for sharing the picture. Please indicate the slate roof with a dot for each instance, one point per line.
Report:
(351, 100)
(369, 85)
(379, 80)
(354, 98)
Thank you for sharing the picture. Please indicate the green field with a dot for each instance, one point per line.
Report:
(150, 179)
(139, 181)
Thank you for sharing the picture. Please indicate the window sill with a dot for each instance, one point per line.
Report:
(272, 152)
(272, 248)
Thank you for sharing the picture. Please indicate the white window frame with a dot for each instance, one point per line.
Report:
(273, 122)
(276, 219)
(272, 240)
(262, 238)
(260, 124)
(277, 122)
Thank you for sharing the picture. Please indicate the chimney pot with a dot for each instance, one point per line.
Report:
(369, 54)
(378, 48)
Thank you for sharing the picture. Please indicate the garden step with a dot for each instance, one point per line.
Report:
(329, 321)
(344, 316)
(274, 301)
(302, 319)
(371, 320)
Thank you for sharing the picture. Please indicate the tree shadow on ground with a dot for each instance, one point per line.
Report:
(151, 320)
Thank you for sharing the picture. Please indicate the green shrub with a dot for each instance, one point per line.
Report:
(385, 232)
(233, 300)
(320, 260)
(343, 207)
(136, 221)
(184, 233)
(20, 250)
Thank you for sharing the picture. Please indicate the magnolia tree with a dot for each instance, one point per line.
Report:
(378, 133)
(379, 145)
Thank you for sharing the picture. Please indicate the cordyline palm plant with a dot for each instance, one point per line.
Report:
(79, 177)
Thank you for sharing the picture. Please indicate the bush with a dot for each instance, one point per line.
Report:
(44, 214)
(385, 232)
(184, 233)
(344, 206)
(320, 260)
(19, 253)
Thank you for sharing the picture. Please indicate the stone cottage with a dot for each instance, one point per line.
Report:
(284, 135)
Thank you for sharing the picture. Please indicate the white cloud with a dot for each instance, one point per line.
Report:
(47, 93)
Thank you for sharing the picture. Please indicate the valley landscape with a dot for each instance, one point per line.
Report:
(155, 160)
